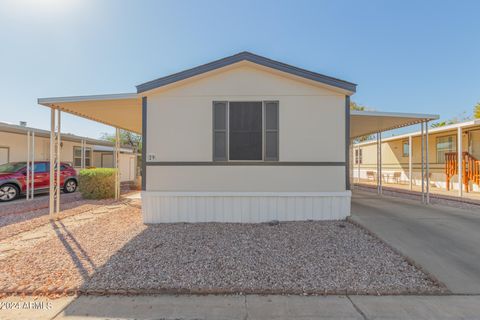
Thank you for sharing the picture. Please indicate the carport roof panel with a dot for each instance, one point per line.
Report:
(363, 123)
(122, 111)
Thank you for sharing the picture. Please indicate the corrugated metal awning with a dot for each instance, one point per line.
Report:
(122, 111)
(363, 123)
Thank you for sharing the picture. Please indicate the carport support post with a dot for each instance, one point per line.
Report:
(459, 161)
(58, 160)
(378, 185)
(380, 162)
(423, 162)
(427, 167)
(54, 188)
(358, 163)
(28, 165)
(51, 203)
(117, 155)
(32, 173)
(410, 162)
(82, 154)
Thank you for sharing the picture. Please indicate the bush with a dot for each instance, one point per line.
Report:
(97, 183)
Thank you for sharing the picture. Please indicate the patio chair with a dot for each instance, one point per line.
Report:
(371, 175)
(397, 177)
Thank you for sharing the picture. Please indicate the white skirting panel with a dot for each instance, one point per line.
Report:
(244, 207)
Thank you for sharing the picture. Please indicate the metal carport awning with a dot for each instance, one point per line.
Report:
(363, 123)
(122, 111)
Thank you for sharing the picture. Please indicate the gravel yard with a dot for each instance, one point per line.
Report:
(117, 253)
(40, 201)
(18, 222)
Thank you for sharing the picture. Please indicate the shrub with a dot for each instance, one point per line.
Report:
(97, 183)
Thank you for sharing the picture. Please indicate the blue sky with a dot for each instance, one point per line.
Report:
(406, 56)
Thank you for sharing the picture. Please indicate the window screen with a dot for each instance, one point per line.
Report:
(271, 131)
(358, 156)
(220, 131)
(445, 145)
(77, 156)
(245, 131)
(405, 148)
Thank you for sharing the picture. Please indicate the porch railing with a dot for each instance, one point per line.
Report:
(470, 169)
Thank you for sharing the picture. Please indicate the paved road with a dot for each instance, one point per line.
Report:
(251, 307)
(444, 240)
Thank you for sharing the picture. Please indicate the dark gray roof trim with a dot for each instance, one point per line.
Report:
(246, 56)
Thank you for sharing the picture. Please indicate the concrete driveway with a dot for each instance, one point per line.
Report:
(443, 240)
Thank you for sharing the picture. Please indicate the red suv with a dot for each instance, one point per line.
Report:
(13, 178)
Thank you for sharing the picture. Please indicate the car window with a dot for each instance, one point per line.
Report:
(41, 167)
(11, 167)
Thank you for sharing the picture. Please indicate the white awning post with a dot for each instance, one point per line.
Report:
(380, 162)
(117, 156)
(378, 158)
(28, 165)
(51, 204)
(54, 188)
(423, 162)
(427, 165)
(410, 161)
(459, 162)
(58, 184)
(358, 163)
(32, 175)
(82, 155)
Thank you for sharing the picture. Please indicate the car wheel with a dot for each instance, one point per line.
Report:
(70, 186)
(8, 192)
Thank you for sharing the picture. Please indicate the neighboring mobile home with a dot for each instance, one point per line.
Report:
(241, 139)
(97, 153)
(442, 141)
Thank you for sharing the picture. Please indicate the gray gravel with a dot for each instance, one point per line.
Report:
(294, 257)
(117, 253)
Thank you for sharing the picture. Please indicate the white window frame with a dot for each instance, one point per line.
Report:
(358, 156)
(454, 149)
(405, 155)
(75, 157)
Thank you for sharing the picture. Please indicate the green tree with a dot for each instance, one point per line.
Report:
(357, 107)
(127, 139)
(476, 111)
(459, 118)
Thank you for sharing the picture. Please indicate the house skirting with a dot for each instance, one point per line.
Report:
(243, 207)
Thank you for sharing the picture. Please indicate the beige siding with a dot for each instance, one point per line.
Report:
(17, 144)
(312, 129)
(246, 178)
(312, 119)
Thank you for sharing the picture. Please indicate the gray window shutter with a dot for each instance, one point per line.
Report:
(271, 131)
(219, 131)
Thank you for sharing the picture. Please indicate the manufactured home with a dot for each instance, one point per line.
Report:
(401, 157)
(19, 142)
(241, 139)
